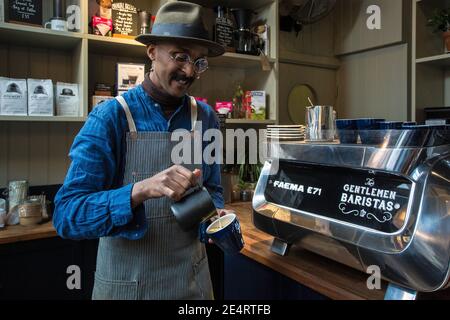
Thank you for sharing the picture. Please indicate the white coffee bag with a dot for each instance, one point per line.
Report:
(67, 99)
(40, 97)
(13, 97)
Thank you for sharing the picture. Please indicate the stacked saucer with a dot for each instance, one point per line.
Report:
(286, 133)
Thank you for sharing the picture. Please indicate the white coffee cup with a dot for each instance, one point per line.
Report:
(2, 218)
(56, 24)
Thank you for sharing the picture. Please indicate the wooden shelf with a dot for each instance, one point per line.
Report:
(42, 119)
(115, 46)
(247, 4)
(23, 35)
(131, 48)
(237, 60)
(309, 60)
(442, 60)
(247, 121)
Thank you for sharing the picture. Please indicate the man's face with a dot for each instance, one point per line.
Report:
(173, 77)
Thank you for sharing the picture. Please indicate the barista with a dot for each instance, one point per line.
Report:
(122, 180)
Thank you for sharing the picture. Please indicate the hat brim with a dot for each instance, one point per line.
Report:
(214, 49)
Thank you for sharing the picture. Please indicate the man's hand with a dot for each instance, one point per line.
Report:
(172, 183)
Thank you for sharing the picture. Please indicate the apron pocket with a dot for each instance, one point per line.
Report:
(114, 289)
(203, 279)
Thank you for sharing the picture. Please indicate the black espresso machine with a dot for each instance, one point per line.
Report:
(385, 205)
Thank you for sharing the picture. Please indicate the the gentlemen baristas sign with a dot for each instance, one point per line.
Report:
(366, 198)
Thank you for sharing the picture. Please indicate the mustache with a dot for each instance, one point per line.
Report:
(182, 77)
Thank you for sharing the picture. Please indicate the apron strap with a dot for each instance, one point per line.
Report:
(131, 124)
(193, 113)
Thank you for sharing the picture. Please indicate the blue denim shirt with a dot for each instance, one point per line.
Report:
(93, 202)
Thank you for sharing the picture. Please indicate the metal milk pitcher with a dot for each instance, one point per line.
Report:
(320, 122)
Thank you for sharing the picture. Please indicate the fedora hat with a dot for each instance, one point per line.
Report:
(181, 22)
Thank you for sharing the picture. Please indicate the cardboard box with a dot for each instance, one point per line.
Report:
(255, 104)
(129, 75)
(102, 93)
(99, 99)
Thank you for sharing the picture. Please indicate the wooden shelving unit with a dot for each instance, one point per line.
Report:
(442, 60)
(430, 70)
(43, 119)
(249, 122)
(226, 71)
(36, 148)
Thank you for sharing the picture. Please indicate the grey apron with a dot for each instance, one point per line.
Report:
(167, 263)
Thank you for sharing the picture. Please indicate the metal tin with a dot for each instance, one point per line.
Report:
(17, 193)
(30, 208)
(30, 212)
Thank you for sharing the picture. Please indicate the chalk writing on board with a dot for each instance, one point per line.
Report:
(26, 11)
(125, 19)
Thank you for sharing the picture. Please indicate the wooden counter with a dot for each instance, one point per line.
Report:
(17, 233)
(322, 275)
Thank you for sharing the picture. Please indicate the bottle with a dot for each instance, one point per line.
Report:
(238, 100)
(144, 22)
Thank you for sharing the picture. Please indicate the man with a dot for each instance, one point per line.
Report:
(122, 180)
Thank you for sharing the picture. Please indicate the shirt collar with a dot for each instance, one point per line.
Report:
(149, 102)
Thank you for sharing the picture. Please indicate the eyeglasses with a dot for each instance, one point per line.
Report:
(182, 58)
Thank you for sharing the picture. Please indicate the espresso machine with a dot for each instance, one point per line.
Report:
(385, 205)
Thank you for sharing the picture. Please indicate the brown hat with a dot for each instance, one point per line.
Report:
(181, 22)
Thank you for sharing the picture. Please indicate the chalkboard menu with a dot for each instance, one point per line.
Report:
(24, 11)
(125, 19)
(366, 198)
(223, 32)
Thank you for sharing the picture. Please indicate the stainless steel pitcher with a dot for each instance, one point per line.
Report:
(320, 122)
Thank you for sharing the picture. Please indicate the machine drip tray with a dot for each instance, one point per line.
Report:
(280, 247)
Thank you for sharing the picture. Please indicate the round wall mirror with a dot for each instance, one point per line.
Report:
(298, 101)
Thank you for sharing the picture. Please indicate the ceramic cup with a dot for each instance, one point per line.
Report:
(58, 24)
(226, 234)
(347, 131)
(369, 131)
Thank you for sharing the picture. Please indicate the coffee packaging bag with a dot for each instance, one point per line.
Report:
(40, 97)
(13, 97)
(67, 99)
